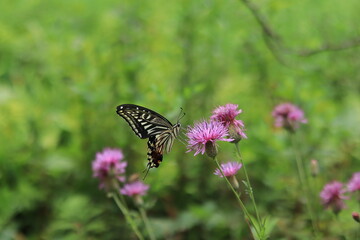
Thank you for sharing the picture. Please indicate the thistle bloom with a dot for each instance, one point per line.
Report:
(229, 169)
(107, 165)
(203, 137)
(354, 183)
(332, 196)
(137, 188)
(288, 116)
(226, 115)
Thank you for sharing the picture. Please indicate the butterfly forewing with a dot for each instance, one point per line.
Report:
(144, 122)
(149, 124)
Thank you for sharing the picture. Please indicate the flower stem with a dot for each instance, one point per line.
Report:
(304, 183)
(250, 188)
(116, 187)
(147, 223)
(237, 197)
(126, 213)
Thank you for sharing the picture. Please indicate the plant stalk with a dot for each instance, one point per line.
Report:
(126, 213)
(250, 188)
(147, 223)
(304, 184)
(248, 216)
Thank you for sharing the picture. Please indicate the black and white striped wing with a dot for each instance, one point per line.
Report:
(143, 121)
(165, 140)
(158, 144)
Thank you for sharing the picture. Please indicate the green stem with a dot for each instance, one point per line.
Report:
(116, 187)
(237, 197)
(250, 188)
(127, 215)
(304, 184)
(147, 223)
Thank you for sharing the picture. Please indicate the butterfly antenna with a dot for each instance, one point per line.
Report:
(181, 114)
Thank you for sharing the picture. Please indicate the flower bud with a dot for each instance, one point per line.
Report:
(314, 167)
(356, 216)
(234, 134)
(138, 200)
(211, 149)
(234, 182)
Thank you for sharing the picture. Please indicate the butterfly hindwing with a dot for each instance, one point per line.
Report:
(154, 154)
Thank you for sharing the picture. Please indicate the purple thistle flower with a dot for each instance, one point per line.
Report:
(137, 188)
(108, 165)
(332, 196)
(203, 137)
(229, 169)
(226, 115)
(288, 116)
(354, 183)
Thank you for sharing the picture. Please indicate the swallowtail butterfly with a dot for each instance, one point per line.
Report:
(149, 124)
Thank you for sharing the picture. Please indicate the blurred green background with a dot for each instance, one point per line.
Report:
(66, 65)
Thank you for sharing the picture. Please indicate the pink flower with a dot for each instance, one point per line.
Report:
(134, 189)
(288, 116)
(108, 165)
(226, 115)
(354, 183)
(229, 169)
(203, 137)
(332, 196)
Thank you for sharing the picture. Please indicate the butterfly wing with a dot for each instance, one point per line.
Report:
(165, 140)
(154, 154)
(143, 121)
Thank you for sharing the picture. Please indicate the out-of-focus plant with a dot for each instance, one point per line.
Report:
(109, 168)
(290, 117)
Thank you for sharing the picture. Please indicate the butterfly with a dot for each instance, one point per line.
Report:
(147, 123)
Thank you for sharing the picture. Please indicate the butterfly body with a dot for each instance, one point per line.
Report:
(147, 123)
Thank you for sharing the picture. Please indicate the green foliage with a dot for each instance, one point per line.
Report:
(66, 65)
